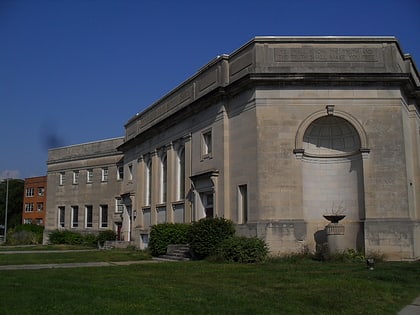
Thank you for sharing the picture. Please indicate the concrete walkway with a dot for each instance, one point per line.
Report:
(5, 252)
(411, 309)
(75, 265)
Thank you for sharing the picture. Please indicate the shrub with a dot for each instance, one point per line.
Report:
(21, 238)
(57, 237)
(66, 237)
(206, 235)
(107, 235)
(347, 255)
(89, 239)
(72, 238)
(242, 250)
(25, 234)
(164, 234)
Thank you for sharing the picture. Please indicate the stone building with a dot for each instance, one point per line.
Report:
(84, 188)
(279, 133)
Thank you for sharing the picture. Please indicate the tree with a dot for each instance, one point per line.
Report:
(15, 202)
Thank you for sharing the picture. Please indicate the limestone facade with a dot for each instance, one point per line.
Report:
(85, 188)
(279, 133)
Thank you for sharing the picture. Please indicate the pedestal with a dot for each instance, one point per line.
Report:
(335, 237)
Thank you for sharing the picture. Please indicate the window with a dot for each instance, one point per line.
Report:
(30, 192)
(39, 206)
(39, 221)
(163, 178)
(119, 206)
(74, 216)
(41, 191)
(61, 216)
(120, 172)
(89, 175)
(105, 174)
(130, 172)
(75, 177)
(178, 213)
(161, 214)
(147, 218)
(148, 184)
(88, 216)
(207, 200)
(180, 174)
(29, 207)
(207, 144)
(104, 215)
(242, 204)
(62, 178)
(27, 221)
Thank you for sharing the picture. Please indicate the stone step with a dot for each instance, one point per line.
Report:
(173, 258)
(178, 252)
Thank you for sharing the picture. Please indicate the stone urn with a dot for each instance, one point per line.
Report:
(334, 218)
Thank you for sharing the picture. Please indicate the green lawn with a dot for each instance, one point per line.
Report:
(41, 248)
(303, 287)
(58, 257)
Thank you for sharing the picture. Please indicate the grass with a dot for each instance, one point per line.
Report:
(4, 248)
(200, 287)
(58, 257)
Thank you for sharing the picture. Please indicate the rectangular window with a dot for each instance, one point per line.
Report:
(104, 216)
(207, 145)
(207, 202)
(148, 183)
(40, 206)
(75, 177)
(147, 219)
(120, 172)
(163, 178)
(161, 214)
(180, 174)
(130, 172)
(61, 216)
(88, 216)
(62, 178)
(41, 191)
(242, 204)
(29, 207)
(74, 216)
(27, 221)
(89, 175)
(30, 192)
(119, 206)
(179, 213)
(105, 174)
(39, 221)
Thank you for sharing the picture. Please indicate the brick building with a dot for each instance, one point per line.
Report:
(34, 200)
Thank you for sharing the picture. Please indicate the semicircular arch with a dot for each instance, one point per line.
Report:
(299, 140)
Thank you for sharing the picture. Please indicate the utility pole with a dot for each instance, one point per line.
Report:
(5, 216)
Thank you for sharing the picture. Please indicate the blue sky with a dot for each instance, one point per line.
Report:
(74, 71)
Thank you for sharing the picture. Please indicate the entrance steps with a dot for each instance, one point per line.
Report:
(176, 252)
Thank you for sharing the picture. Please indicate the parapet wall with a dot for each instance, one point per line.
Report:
(291, 60)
